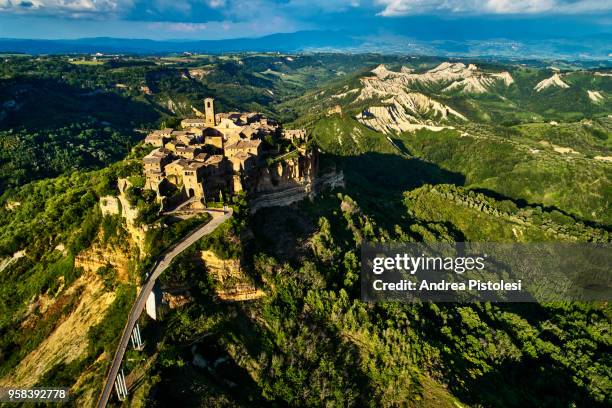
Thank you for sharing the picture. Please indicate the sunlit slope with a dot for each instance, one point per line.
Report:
(489, 128)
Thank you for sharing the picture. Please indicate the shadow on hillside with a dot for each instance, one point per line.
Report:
(528, 381)
(402, 146)
(48, 103)
(297, 354)
(377, 181)
(283, 232)
(524, 383)
(522, 203)
(218, 381)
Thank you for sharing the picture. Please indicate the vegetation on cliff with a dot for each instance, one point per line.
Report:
(311, 342)
(526, 166)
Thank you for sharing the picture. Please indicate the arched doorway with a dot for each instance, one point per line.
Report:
(190, 192)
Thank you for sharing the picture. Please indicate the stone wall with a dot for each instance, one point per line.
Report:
(298, 170)
(288, 196)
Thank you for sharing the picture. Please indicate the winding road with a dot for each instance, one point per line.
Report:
(164, 261)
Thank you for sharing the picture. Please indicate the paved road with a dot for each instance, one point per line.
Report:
(161, 265)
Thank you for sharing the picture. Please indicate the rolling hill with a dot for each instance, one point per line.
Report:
(509, 130)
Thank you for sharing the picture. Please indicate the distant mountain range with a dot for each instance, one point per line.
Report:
(592, 47)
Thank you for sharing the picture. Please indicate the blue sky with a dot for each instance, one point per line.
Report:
(215, 19)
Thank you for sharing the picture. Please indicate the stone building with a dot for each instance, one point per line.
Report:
(155, 161)
(209, 112)
(247, 146)
(295, 134)
(218, 153)
(158, 138)
(195, 123)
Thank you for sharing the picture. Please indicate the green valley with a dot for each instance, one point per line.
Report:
(266, 310)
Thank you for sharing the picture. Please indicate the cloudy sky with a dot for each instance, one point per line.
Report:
(214, 19)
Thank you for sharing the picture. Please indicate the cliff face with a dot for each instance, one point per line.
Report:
(68, 341)
(232, 284)
(119, 248)
(130, 214)
(293, 194)
(99, 255)
(287, 173)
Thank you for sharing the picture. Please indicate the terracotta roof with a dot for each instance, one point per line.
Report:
(184, 148)
(181, 133)
(244, 144)
(248, 131)
(241, 155)
(157, 154)
(154, 136)
(193, 165)
(214, 159)
(179, 162)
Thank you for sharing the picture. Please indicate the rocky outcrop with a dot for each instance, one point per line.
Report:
(130, 214)
(176, 300)
(98, 256)
(595, 96)
(198, 73)
(554, 81)
(221, 269)
(297, 169)
(397, 102)
(232, 283)
(109, 205)
(68, 341)
(240, 293)
(452, 76)
(405, 108)
(297, 193)
(406, 111)
(6, 262)
(479, 83)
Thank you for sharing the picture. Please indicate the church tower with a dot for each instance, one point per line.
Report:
(209, 111)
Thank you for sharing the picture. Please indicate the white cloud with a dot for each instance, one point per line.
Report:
(178, 27)
(72, 8)
(215, 3)
(322, 5)
(242, 10)
(392, 8)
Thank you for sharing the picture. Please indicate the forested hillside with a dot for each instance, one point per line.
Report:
(550, 146)
(429, 150)
(60, 114)
(508, 176)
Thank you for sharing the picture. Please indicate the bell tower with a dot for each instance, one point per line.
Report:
(209, 111)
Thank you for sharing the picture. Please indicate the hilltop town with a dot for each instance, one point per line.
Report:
(220, 154)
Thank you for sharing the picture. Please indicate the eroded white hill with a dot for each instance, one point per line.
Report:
(400, 106)
(553, 81)
(595, 96)
(454, 76)
(407, 111)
